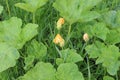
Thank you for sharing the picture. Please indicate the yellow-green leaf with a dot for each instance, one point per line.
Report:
(71, 56)
(31, 5)
(76, 10)
(68, 71)
(108, 78)
(12, 33)
(41, 71)
(8, 56)
(109, 59)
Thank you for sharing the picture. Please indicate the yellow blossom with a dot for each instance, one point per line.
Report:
(59, 40)
(85, 37)
(60, 22)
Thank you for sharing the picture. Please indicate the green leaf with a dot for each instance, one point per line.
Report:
(94, 50)
(108, 78)
(29, 62)
(25, 6)
(29, 31)
(87, 29)
(107, 55)
(10, 30)
(59, 61)
(68, 71)
(89, 4)
(31, 5)
(111, 18)
(42, 71)
(8, 56)
(70, 55)
(1, 9)
(12, 33)
(96, 29)
(74, 10)
(109, 59)
(113, 37)
(100, 30)
(89, 17)
(34, 51)
(38, 50)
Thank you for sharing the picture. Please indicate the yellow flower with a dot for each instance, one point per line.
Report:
(85, 37)
(59, 40)
(60, 22)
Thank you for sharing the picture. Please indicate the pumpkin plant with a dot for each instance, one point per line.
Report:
(76, 11)
(12, 38)
(31, 6)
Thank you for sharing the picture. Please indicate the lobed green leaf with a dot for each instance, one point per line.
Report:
(8, 56)
(34, 51)
(94, 50)
(113, 37)
(41, 71)
(70, 56)
(68, 71)
(111, 18)
(12, 33)
(76, 10)
(109, 59)
(100, 30)
(31, 5)
(108, 78)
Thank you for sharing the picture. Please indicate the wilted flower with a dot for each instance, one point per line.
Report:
(85, 37)
(59, 23)
(59, 40)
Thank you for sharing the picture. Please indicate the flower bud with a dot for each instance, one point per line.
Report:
(59, 23)
(85, 37)
(59, 40)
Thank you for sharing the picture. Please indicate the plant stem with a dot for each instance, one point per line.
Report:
(84, 45)
(58, 51)
(69, 29)
(33, 17)
(116, 77)
(89, 73)
(68, 35)
(8, 7)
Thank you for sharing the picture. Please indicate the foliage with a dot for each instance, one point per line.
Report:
(77, 10)
(13, 37)
(8, 56)
(107, 78)
(39, 72)
(68, 71)
(69, 56)
(112, 37)
(12, 33)
(30, 5)
(111, 18)
(86, 48)
(100, 51)
(34, 51)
